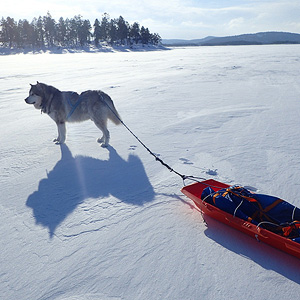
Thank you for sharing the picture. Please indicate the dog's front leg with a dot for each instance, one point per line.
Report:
(61, 128)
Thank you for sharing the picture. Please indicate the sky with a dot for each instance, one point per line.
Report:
(172, 19)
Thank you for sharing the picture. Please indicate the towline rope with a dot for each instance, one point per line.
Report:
(184, 177)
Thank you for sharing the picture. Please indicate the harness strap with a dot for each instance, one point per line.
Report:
(214, 197)
(275, 203)
(262, 212)
(73, 107)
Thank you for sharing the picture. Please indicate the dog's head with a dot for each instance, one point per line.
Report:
(36, 95)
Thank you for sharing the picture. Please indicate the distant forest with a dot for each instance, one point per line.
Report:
(45, 32)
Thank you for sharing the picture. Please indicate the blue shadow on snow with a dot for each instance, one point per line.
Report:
(264, 255)
(74, 179)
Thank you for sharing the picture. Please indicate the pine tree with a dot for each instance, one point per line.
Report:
(145, 35)
(9, 31)
(18, 38)
(84, 33)
(49, 27)
(61, 33)
(155, 39)
(97, 32)
(105, 27)
(113, 30)
(34, 37)
(27, 34)
(134, 32)
(74, 26)
(40, 32)
(123, 30)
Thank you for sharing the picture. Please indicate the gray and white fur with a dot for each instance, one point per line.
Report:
(65, 107)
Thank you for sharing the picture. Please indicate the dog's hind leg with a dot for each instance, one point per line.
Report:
(104, 140)
(61, 128)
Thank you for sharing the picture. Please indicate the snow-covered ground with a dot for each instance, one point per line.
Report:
(79, 222)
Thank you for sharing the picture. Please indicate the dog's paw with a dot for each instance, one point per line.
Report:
(102, 142)
(58, 142)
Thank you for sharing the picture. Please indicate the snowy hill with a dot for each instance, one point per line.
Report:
(261, 38)
(80, 222)
(180, 42)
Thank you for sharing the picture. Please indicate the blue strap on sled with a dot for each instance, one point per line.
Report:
(73, 106)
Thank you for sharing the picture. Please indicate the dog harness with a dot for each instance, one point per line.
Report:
(73, 106)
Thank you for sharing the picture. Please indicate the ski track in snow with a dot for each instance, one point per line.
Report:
(83, 222)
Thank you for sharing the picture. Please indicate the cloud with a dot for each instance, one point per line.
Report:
(237, 22)
(174, 18)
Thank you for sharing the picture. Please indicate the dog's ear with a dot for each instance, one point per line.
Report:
(37, 82)
(31, 84)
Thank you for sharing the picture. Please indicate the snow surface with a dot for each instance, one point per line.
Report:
(79, 222)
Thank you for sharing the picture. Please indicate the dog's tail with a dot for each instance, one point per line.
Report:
(113, 114)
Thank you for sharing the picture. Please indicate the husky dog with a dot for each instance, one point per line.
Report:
(65, 107)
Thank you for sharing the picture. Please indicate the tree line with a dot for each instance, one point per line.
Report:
(47, 32)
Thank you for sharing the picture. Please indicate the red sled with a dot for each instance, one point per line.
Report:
(194, 192)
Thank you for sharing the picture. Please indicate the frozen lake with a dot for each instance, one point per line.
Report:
(83, 222)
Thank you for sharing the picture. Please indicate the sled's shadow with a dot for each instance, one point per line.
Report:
(74, 179)
(264, 255)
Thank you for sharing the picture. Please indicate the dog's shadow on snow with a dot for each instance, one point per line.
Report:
(74, 179)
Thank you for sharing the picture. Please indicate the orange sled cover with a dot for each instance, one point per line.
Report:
(194, 192)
